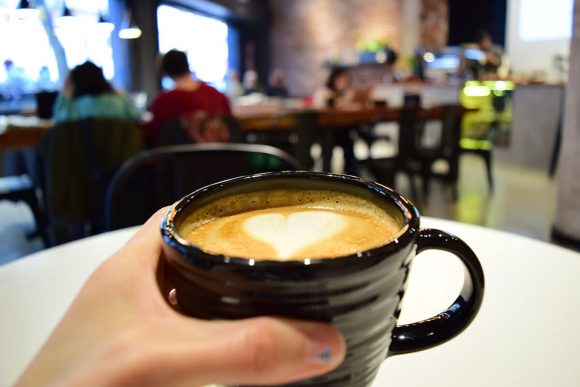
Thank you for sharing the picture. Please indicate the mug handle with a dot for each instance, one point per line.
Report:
(438, 329)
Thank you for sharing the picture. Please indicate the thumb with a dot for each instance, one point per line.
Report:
(264, 351)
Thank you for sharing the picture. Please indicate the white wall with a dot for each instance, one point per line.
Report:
(526, 57)
(567, 220)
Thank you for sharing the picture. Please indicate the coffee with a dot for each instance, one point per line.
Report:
(289, 225)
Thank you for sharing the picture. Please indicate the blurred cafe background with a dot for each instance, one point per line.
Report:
(466, 107)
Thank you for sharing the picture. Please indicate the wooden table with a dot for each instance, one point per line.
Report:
(27, 132)
(325, 123)
(17, 132)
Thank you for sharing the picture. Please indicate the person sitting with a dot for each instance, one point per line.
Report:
(234, 86)
(87, 94)
(337, 93)
(276, 86)
(198, 106)
(251, 83)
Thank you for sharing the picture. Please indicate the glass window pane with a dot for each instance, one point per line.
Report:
(24, 52)
(204, 39)
(28, 60)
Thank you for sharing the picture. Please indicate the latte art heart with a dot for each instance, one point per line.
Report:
(288, 234)
(284, 225)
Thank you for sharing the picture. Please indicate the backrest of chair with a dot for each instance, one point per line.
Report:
(175, 132)
(159, 177)
(78, 159)
(408, 132)
(44, 103)
(451, 127)
(172, 133)
(450, 138)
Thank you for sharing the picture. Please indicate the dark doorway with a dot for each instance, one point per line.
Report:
(467, 18)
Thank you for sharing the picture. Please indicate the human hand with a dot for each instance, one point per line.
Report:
(120, 331)
(490, 57)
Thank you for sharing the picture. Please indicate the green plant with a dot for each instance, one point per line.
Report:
(372, 44)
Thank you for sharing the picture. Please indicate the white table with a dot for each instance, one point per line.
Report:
(527, 332)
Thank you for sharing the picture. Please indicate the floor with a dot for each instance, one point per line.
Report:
(524, 202)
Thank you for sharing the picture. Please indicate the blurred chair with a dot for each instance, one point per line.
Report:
(158, 177)
(180, 130)
(415, 159)
(293, 132)
(275, 130)
(77, 160)
(446, 150)
(482, 147)
(406, 160)
(21, 189)
(481, 139)
(44, 104)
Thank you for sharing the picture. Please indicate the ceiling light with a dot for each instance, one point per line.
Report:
(105, 24)
(129, 30)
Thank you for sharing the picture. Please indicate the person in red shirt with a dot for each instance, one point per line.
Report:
(197, 104)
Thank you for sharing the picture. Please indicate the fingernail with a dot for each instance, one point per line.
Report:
(324, 345)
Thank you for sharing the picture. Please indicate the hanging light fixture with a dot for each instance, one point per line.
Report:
(25, 10)
(66, 11)
(105, 24)
(129, 30)
(66, 18)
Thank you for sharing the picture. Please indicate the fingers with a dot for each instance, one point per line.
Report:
(145, 245)
(135, 265)
(261, 351)
(149, 235)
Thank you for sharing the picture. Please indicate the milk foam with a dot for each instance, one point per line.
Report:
(289, 224)
(288, 234)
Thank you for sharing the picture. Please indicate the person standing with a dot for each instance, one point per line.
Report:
(276, 86)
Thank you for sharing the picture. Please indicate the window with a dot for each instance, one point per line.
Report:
(83, 38)
(545, 19)
(24, 52)
(204, 39)
(28, 59)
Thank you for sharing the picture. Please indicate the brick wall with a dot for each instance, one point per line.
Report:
(434, 23)
(305, 33)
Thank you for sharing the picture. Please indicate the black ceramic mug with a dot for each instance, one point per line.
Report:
(360, 294)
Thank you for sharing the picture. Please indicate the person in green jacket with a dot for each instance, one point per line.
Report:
(87, 94)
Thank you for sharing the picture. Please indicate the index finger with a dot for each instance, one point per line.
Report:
(148, 238)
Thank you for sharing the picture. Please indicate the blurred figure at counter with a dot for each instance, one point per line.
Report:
(276, 86)
(87, 94)
(492, 52)
(251, 83)
(16, 83)
(44, 81)
(234, 86)
(338, 93)
(484, 60)
(194, 105)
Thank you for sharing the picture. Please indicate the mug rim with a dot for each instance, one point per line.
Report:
(405, 236)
